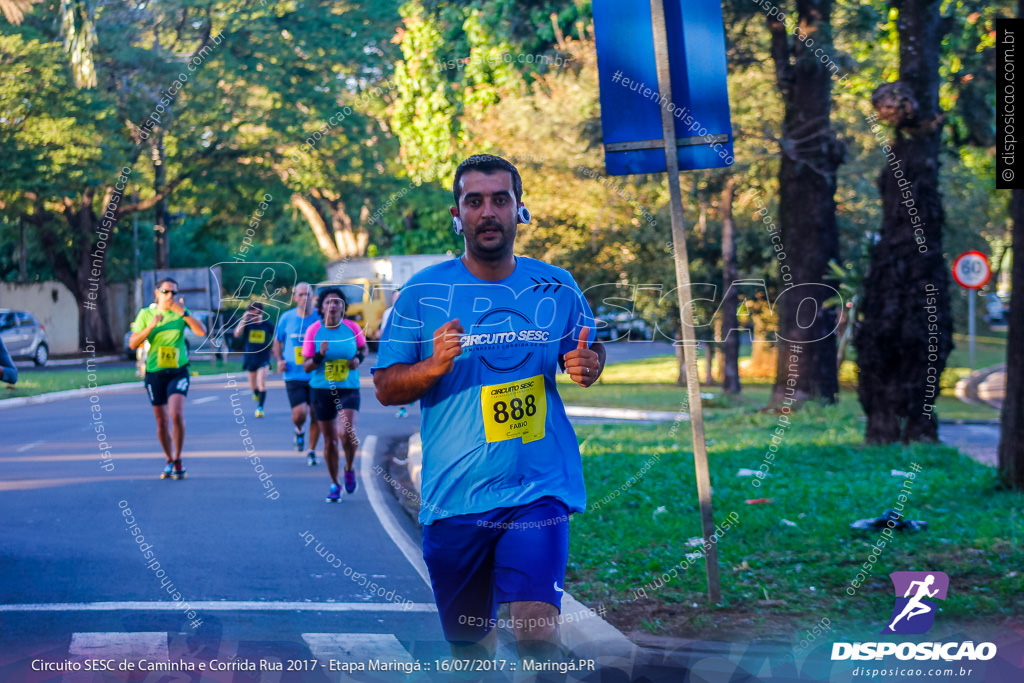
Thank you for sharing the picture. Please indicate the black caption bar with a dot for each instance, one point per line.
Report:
(1009, 125)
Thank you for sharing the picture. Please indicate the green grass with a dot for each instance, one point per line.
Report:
(822, 479)
(643, 507)
(32, 382)
(649, 384)
(989, 350)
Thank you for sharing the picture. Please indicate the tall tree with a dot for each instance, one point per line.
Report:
(906, 332)
(730, 321)
(1011, 436)
(811, 156)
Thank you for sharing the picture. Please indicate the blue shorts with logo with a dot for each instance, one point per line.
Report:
(505, 555)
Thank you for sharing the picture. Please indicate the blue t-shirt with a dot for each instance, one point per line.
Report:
(291, 332)
(495, 433)
(342, 344)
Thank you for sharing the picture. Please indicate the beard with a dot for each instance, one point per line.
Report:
(491, 240)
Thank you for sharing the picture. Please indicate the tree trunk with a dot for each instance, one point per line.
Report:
(161, 258)
(1011, 436)
(681, 362)
(811, 155)
(730, 304)
(84, 274)
(906, 332)
(315, 220)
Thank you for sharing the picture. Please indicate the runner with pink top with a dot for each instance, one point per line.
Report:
(333, 350)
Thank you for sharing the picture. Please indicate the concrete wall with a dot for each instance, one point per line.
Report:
(52, 305)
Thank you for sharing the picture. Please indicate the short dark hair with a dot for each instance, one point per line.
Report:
(487, 164)
(256, 305)
(322, 295)
(165, 280)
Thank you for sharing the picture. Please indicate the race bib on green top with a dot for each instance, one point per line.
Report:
(167, 356)
(513, 410)
(257, 336)
(336, 370)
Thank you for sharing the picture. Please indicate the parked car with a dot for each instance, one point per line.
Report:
(194, 343)
(997, 306)
(24, 336)
(617, 324)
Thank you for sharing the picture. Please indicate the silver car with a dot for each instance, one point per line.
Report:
(24, 336)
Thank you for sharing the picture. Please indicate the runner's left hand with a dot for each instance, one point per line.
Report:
(353, 363)
(581, 363)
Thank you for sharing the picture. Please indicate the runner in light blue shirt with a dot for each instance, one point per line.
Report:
(333, 350)
(479, 341)
(291, 331)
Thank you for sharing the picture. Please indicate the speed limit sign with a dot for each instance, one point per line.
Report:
(971, 270)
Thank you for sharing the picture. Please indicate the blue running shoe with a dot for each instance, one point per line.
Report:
(300, 441)
(334, 495)
(350, 482)
(166, 474)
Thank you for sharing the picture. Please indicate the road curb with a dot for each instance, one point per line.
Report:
(625, 414)
(584, 632)
(86, 391)
(967, 388)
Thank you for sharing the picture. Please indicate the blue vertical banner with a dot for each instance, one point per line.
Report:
(630, 99)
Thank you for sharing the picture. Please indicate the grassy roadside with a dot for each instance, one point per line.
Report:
(787, 563)
(32, 382)
(649, 384)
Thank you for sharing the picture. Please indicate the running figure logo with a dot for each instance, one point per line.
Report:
(914, 613)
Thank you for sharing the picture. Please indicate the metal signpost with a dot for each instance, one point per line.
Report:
(972, 272)
(646, 131)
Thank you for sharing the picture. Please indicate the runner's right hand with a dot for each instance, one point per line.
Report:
(447, 345)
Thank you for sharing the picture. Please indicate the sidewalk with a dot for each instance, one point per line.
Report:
(979, 440)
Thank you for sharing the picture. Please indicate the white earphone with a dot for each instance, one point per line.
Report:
(523, 214)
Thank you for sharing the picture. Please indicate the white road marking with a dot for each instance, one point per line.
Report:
(223, 606)
(27, 446)
(138, 645)
(205, 399)
(381, 647)
(113, 646)
(387, 520)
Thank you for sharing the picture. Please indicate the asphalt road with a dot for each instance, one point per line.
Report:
(103, 562)
(269, 572)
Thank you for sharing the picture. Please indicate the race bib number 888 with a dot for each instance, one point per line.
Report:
(513, 410)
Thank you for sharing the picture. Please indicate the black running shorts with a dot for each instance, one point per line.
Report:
(328, 402)
(162, 383)
(298, 392)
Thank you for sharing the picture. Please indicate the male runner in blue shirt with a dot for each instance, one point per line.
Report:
(478, 341)
(290, 333)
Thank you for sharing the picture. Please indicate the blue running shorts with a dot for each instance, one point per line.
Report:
(505, 555)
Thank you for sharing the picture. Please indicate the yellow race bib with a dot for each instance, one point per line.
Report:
(513, 410)
(299, 358)
(167, 356)
(336, 370)
(257, 336)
